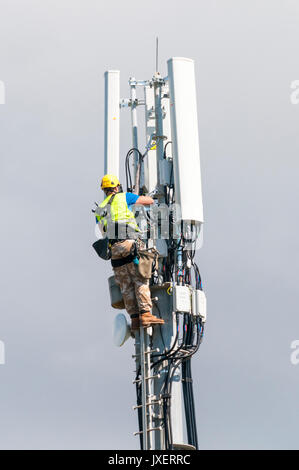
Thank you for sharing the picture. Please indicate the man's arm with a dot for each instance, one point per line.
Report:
(145, 200)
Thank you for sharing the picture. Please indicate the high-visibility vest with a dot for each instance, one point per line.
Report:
(119, 212)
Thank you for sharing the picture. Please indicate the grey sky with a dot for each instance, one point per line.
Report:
(64, 384)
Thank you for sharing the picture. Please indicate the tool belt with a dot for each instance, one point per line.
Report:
(147, 261)
(116, 263)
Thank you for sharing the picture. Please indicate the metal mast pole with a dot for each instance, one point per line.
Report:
(158, 81)
(134, 104)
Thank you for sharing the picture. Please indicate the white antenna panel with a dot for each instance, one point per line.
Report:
(112, 99)
(184, 130)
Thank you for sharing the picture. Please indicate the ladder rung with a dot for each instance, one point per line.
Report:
(147, 378)
(155, 402)
(153, 377)
(159, 428)
(147, 352)
(152, 351)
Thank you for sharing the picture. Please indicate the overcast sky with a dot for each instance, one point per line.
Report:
(64, 384)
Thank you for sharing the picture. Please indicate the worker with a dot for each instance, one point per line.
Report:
(117, 220)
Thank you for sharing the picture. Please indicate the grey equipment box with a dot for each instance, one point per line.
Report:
(115, 294)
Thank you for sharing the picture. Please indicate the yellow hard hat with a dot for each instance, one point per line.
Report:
(109, 181)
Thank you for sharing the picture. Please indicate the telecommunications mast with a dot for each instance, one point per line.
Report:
(167, 169)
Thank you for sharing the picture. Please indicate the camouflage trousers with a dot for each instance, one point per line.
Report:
(135, 290)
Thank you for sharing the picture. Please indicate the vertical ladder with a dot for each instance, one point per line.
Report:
(146, 389)
(149, 400)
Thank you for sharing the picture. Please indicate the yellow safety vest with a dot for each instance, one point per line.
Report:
(119, 212)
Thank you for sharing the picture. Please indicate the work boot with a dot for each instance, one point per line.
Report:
(135, 323)
(147, 319)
